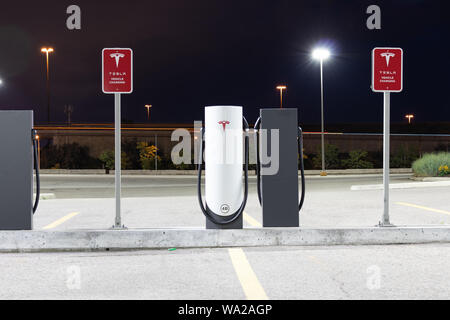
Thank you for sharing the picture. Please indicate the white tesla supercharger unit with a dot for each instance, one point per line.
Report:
(225, 194)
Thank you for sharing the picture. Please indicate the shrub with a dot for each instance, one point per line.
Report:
(309, 164)
(443, 171)
(404, 157)
(357, 160)
(68, 156)
(376, 158)
(129, 147)
(331, 157)
(432, 164)
(147, 155)
(108, 160)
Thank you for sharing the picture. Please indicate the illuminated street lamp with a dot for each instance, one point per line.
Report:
(281, 88)
(47, 51)
(409, 117)
(321, 54)
(39, 151)
(1, 82)
(148, 106)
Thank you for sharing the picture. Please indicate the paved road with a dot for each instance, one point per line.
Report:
(341, 272)
(102, 186)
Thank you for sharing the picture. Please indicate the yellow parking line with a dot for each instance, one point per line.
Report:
(422, 207)
(61, 221)
(251, 221)
(247, 277)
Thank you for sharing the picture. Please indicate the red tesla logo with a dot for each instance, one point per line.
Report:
(224, 124)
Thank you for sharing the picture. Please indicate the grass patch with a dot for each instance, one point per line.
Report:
(432, 165)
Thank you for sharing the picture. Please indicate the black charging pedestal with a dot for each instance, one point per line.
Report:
(16, 170)
(279, 188)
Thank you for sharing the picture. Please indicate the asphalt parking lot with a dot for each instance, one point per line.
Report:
(255, 273)
(86, 202)
(337, 272)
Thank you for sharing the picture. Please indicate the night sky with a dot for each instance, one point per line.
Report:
(192, 53)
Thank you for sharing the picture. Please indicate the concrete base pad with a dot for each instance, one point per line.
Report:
(91, 240)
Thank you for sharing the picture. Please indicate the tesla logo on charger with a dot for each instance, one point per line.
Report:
(387, 56)
(224, 124)
(117, 56)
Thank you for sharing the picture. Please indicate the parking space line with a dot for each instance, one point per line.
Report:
(251, 221)
(61, 221)
(247, 277)
(422, 207)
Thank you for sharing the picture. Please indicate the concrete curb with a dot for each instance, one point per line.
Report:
(46, 196)
(194, 172)
(430, 179)
(408, 185)
(95, 240)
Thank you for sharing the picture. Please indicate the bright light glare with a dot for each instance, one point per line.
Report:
(47, 50)
(1, 82)
(321, 54)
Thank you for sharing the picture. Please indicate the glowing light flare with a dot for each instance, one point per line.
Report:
(47, 50)
(321, 54)
(409, 117)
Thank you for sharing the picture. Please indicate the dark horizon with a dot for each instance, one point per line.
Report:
(189, 55)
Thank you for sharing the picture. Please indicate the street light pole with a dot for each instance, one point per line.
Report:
(281, 88)
(47, 51)
(39, 151)
(323, 173)
(321, 55)
(148, 106)
(48, 90)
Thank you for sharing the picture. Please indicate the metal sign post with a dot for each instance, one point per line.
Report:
(386, 156)
(117, 160)
(117, 78)
(387, 77)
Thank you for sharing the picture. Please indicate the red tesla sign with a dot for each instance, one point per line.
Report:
(117, 73)
(387, 69)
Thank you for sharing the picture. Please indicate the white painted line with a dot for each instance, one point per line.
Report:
(61, 221)
(407, 185)
(247, 277)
